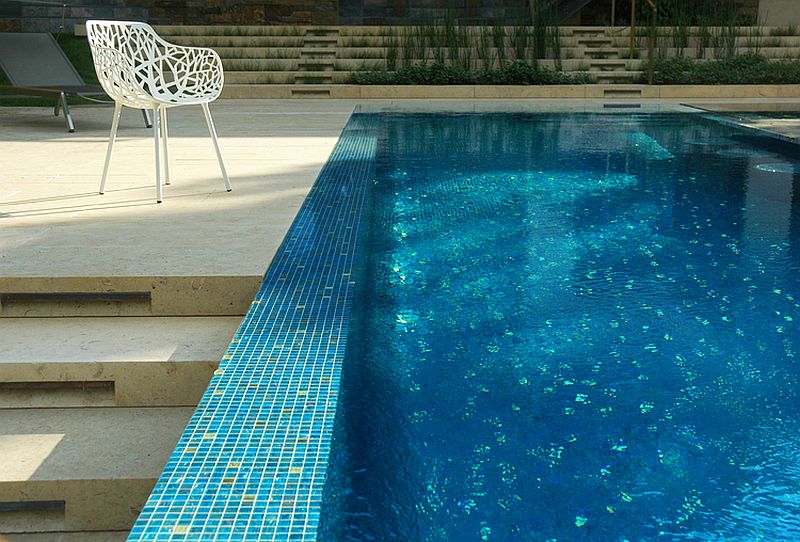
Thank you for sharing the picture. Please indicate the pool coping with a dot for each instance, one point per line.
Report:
(512, 92)
(251, 463)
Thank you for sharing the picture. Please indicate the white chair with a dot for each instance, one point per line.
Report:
(138, 69)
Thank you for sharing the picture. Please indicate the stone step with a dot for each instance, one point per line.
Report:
(259, 53)
(254, 64)
(317, 52)
(598, 42)
(322, 31)
(612, 77)
(228, 30)
(623, 92)
(608, 65)
(291, 64)
(139, 361)
(590, 31)
(600, 52)
(321, 41)
(34, 296)
(316, 65)
(82, 469)
(283, 77)
(313, 78)
(240, 41)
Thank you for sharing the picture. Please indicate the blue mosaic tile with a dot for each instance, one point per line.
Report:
(251, 463)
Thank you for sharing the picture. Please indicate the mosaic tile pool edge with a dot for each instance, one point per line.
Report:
(251, 463)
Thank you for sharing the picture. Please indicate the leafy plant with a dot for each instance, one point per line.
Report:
(513, 73)
(745, 69)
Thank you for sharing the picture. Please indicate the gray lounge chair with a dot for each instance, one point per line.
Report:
(36, 65)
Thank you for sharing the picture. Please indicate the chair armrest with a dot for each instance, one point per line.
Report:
(191, 70)
(118, 77)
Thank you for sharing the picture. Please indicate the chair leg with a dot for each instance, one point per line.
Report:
(147, 122)
(111, 139)
(67, 115)
(165, 144)
(213, 133)
(57, 107)
(157, 139)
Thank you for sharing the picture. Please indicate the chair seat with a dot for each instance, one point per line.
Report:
(167, 98)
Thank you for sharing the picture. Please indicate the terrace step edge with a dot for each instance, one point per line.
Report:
(222, 295)
(74, 469)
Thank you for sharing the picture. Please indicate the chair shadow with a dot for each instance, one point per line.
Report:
(64, 197)
(139, 202)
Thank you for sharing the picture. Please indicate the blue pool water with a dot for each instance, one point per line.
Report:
(573, 327)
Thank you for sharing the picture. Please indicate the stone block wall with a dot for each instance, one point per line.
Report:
(19, 16)
(42, 17)
(399, 12)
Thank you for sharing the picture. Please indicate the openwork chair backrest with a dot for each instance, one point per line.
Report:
(138, 68)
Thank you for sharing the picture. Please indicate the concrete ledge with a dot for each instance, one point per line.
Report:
(141, 296)
(513, 91)
(143, 361)
(203, 251)
(101, 463)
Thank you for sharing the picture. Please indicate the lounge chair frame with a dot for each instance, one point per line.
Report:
(58, 92)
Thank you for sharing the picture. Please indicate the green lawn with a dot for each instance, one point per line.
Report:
(77, 50)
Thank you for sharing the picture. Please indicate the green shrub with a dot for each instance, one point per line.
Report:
(77, 50)
(744, 69)
(514, 73)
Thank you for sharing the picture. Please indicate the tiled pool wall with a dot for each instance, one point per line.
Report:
(251, 463)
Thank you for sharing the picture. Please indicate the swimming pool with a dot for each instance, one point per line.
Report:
(572, 327)
(513, 327)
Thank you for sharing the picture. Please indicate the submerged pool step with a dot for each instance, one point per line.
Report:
(70, 362)
(81, 469)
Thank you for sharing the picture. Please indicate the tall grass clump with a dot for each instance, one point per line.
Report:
(519, 42)
(484, 48)
(499, 43)
(754, 40)
(391, 49)
(703, 37)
